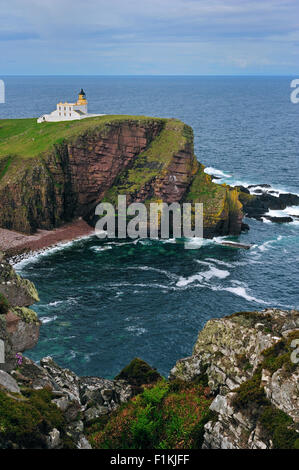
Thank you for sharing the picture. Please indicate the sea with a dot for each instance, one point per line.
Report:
(102, 303)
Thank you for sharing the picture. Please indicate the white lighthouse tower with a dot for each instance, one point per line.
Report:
(69, 111)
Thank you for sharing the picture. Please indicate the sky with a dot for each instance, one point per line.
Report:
(149, 37)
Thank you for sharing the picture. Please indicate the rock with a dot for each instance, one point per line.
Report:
(83, 443)
(106, 394)
(18, 291)
(53, 439)
(257, 205)
(8, 382)
(236, 245)
(31, 373)
(228, 349)
(283, 391)
(64, 379)
(94, 412)
(264, 185)
(278, 220)
(238, 356)
(19, 326)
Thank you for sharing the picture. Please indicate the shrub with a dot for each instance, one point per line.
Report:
(4, 305)
(250, 393)
(138, 373)
(279, 427)
(25, 419)
(164, 416)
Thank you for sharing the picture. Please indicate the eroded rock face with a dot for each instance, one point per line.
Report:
(246, 359)
(19, 325)
(19, 292)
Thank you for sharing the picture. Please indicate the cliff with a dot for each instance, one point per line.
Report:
(53, 173)
(247, 359)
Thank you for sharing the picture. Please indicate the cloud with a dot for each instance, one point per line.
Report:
(230, 34)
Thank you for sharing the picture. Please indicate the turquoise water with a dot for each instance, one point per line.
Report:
(103, 303)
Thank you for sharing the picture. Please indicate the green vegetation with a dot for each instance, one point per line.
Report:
(279, 428)
(218, 200)
(138, 373)
(164, 416)
(27, 138)
(26, 314)
(4, 305)
(4, 165)
(24, 419)
(279, 355)
(250, 393)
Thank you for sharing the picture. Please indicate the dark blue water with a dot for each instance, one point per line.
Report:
(104, 303)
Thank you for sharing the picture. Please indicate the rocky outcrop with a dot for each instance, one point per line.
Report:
(149, 160)
(76, 401)
(257, 205)
(248, 364)
(19, 325)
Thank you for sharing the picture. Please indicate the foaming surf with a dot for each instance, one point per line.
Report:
(20, 261)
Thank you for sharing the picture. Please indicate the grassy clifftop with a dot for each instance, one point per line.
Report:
(27, 138)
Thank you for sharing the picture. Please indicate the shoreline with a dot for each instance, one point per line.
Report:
(14, 243)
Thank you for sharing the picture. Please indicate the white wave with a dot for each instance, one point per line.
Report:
(241, 292)
(204, 276)
(101, 248)
(213, 171)
(19, 262)
(137, 330)
(220, 262)
(55, 303)
(185, 281)
(48, 319)
(290, 211)
(168, 274)
(214, 272)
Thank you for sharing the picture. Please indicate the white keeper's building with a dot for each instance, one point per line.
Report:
(69, 111)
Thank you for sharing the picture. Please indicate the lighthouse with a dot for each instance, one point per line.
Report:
(66, 111)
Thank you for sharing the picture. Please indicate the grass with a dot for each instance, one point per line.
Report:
(26, 138)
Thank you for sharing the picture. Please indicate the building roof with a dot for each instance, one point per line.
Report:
(78, 111)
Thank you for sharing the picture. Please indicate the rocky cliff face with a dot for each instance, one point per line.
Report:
(149, 160)
(247, 359)
(19, 326)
